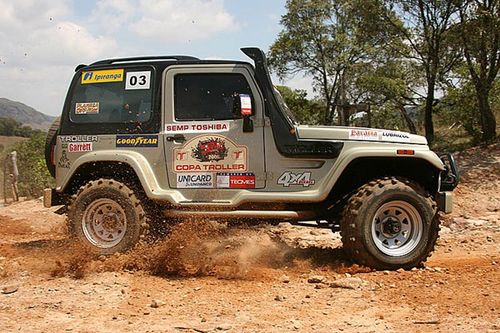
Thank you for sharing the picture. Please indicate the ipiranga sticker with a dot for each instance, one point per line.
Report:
(87, 108)
(195, 180)
(197, 127)
(102, 76)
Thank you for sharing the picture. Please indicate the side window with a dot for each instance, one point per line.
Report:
(208, 96)
(112, 96)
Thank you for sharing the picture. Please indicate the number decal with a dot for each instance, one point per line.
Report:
(137, 80)
(289, 178)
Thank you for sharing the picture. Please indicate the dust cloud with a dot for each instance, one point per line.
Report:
(193, 248)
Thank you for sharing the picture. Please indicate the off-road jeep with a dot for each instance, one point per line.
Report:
(149, 140)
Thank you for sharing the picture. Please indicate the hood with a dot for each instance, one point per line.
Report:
(357, 134)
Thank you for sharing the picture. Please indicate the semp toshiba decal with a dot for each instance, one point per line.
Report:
(210, 153)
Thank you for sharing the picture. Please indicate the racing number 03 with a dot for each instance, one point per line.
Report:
(133, 80)
(137, 80)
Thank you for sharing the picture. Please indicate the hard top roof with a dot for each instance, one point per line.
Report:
(163, 61)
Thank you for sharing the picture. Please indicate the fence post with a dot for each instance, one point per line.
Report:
(15, 175)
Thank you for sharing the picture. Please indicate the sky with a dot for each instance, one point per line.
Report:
(42, 41)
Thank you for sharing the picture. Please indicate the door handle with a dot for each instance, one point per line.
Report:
(177, 138)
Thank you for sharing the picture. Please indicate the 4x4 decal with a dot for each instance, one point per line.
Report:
(289, 178)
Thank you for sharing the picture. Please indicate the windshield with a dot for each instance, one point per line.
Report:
(286, 110)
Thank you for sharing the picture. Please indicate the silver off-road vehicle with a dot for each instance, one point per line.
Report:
(146, 141)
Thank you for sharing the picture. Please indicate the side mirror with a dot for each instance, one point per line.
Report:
(243, 105)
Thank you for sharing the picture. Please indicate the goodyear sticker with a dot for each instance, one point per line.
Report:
(108, 75)
(141, 141)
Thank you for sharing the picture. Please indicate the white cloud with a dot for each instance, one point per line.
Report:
(113, 15)
(41, 46)
(180, 20)
(298, 82)
(43, 40)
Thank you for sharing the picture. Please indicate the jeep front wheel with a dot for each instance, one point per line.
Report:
(107, 215)
(389, 224)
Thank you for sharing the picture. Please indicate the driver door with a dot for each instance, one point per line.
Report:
(213, 139)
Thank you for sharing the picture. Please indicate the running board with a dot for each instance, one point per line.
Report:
(242, 214)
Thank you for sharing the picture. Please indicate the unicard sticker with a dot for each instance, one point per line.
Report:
(289, 178)
(210, 154)
(195, 180)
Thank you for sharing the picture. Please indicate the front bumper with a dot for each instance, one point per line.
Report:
(450, 176)
(444, 202)
(52, 198)
(449, 179)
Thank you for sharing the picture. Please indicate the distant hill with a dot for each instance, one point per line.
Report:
(24, 114)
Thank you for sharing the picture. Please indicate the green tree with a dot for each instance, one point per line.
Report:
(425, 26)
(33, 173)
(325, 39)
(479, 32)
(306, 111)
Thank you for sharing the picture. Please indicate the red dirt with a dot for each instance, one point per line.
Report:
(207, 277)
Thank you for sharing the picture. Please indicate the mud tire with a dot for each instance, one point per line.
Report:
(361, 218)
(112, 199)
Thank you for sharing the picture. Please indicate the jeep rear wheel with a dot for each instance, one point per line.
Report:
(106, 215)
(389, 224)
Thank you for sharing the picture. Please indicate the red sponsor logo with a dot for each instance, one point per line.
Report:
(78, 147)
(236, 180)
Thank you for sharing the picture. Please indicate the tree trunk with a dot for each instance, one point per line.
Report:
(429, 101)
(411, 125)
(487, 118)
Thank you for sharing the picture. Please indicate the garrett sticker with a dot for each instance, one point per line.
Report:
(109, 75)
(209, 154)
(79, 147)
(197, 127)
(289, 178)
(236, 180)
(195, 180)
(363, 134)
(141, 141)
(87, 108)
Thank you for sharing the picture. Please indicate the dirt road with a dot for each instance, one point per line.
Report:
(268, 279)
